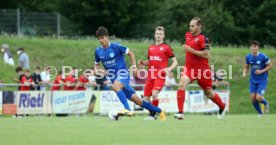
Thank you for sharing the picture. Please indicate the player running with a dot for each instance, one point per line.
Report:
(197, 68)
(112, 57)
(158, 58)
(260, 64)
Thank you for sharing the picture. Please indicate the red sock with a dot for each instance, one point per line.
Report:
(218, 101)
(180, 100)
(155, 102)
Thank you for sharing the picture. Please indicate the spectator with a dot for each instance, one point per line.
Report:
(92, 80)
(82, 82)
(36, 78)
(58, 82)
(45, 78)
(23, 59)
(26, 81)
(170, 81)
(8, 59)
(102, 80)
(70, 80)
(140, 78)
(20, 74)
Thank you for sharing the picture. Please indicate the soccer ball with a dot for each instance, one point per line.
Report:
(113, 115)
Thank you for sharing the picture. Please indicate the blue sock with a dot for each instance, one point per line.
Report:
(257, 107)
(122, 97)
(150, 107)
(264, 101)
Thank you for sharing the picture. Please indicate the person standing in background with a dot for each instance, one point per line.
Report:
(23, 58)
(7, 57)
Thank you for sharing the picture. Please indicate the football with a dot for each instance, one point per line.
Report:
(113, 115)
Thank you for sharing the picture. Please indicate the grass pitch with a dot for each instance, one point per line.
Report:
(95, 130)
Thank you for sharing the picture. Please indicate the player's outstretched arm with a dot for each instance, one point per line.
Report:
(245, 69)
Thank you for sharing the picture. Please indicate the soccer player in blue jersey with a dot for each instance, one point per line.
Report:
(112, 57)
(260, 64)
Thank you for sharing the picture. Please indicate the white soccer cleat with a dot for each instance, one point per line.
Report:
(150, 118)
(260, 116)
(179, 116)
(221, 113)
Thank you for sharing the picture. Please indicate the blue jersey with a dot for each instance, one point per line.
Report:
(258, 62)
(113, 60)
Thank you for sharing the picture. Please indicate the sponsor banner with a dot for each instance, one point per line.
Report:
(199, 103)
(65, 102)
(109, 101)
(1, 103)
(32, 102)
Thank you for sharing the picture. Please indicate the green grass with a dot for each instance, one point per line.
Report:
(94, 130)
(79, 53)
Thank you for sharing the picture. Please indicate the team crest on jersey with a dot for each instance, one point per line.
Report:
(258, 62)
(196, 39)
(161, 48)
(111, 54)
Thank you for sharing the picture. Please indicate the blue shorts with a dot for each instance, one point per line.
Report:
(128, 90)
(258, 87)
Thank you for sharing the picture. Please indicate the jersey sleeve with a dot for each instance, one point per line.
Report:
(247, 60)
(266, 59)
(169, 52)
(122, 49)
(204, 43)
(97, 58)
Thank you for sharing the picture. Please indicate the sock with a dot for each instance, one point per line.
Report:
(180, 100)
(257, 107)
(218, 101)
(122, 97)
(264, 101)
(154, 103)
(150, 107)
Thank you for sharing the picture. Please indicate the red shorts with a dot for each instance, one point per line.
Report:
(203, 77)
(153, 84)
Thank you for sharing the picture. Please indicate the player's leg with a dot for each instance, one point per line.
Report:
(260, 94)
(130, 93)
(117, 86)
(183, 83)
(147, 95)
(253, 87)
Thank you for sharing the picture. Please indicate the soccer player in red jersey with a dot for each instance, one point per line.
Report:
(27, 81)
(158, 58)
(70, 81)
(58, 82)
(197, 68)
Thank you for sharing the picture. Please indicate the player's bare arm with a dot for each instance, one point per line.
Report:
(133, 61)
(174, 64)
(145, 63)
(205, 53)
(245, 69)
(268, 67)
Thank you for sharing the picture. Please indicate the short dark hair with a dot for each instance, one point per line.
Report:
(255, 42)
(27, 70)
(18, 69)
(160, 28)
(37, 67)
(20, 49)
(101, 31)
(198, 20)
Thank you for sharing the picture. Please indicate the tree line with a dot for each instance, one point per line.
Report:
(225, 22)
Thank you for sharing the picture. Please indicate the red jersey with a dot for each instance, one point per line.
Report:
(158, 56)
(82, 80)
(71, 79)
(199, 43)
(56, 82)
(24, 80)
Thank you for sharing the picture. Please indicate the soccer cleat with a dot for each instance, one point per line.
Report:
(267, 108)
(221, 113)
(162, 116)
(179, 116)
(125, 112)
(260, 116)
(150, 118)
